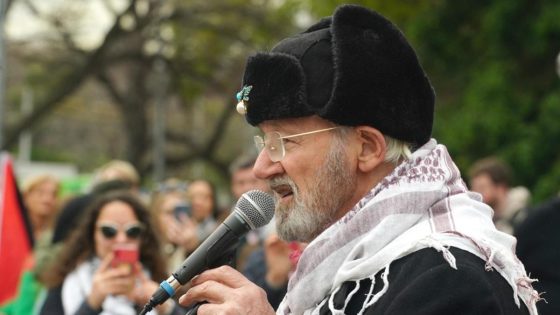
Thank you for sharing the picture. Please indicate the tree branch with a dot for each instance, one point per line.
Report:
(68, 85)
(7, 7)
(104, 78)
(221, 127)
(183, 139)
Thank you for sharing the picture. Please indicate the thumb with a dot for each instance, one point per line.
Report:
(106, 262)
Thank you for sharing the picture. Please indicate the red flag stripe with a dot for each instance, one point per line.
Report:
(16, 241)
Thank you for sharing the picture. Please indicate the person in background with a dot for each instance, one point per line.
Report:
(49, 301)
(171, 210)
(114, 175)
(40, 197)
(202, 196)
(91, 283)
(491, 177)
(242, 181)
(270, 265)
(346, 113)
(538, 237)
(117, 170)
(262, 257)
(242, 177)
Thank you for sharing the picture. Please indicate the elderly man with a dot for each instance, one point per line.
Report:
(346, 112)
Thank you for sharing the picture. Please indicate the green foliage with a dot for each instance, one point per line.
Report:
(492, 65)
(499, 57)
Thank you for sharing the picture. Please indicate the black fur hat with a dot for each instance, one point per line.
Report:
(355, 68)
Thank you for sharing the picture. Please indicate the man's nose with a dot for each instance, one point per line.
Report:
(264, 168)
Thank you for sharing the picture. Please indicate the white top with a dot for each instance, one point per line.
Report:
(77, 286)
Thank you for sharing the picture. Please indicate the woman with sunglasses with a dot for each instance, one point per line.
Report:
(91, 282)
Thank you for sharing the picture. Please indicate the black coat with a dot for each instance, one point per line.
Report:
(538, 239)
(423, 283)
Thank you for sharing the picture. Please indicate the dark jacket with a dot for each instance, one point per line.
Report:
(423, 283)
(538, 239)
(255, 270)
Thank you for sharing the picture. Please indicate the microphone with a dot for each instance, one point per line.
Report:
(254, 209)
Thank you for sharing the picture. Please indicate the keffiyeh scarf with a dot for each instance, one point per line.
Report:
(422, 203)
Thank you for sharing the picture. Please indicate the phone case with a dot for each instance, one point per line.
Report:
(125, 257)
(182, 208)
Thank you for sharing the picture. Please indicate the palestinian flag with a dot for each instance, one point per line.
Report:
(16, 241)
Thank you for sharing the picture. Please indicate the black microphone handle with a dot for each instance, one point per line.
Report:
(209, 254)
(254, 209)
(213, 249)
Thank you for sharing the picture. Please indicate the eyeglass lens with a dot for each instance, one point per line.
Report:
(273, 144)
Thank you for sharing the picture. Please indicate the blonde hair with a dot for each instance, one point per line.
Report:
(118, 169)
(34, 181)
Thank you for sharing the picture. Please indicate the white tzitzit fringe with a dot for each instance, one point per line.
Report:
(369, 294)
(373, 299)
(440, 247)
(332, 308)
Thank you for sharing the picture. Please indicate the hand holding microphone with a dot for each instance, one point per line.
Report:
(224, 290)
(253, 210)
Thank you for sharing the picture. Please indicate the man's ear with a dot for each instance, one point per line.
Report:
(373, 148)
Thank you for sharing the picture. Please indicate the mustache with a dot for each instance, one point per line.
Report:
(281, 181)
(280, 185)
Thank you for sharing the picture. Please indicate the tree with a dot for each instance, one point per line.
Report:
(202, 44)
(492, 65)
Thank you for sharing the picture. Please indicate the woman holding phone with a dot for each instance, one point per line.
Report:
(111, 263)
(172, 212)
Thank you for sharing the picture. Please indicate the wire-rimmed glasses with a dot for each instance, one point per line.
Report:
(273, 142)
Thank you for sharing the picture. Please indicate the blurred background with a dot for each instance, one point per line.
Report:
(153, 82)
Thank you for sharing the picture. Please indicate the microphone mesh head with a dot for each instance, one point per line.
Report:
(257, 207)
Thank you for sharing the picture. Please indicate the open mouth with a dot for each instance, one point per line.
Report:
(283, 191)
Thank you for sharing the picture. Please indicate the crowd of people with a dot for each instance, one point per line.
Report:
(77, 240)
(372, 216)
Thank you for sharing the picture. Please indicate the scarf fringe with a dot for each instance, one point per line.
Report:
(429, 241)
(348, 298)
(524, 285)
(488, 264)
(365, 305)
(375, 298)
(369, 300)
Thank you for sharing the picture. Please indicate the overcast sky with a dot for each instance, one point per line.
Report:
(92, 19)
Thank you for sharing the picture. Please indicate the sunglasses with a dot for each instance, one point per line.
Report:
(132, 230)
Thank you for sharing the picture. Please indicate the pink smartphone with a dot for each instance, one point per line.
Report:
(125, 256)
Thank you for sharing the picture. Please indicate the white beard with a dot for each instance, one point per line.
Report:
(309, 215)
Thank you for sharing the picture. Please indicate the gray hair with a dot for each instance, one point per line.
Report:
(397, 150)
